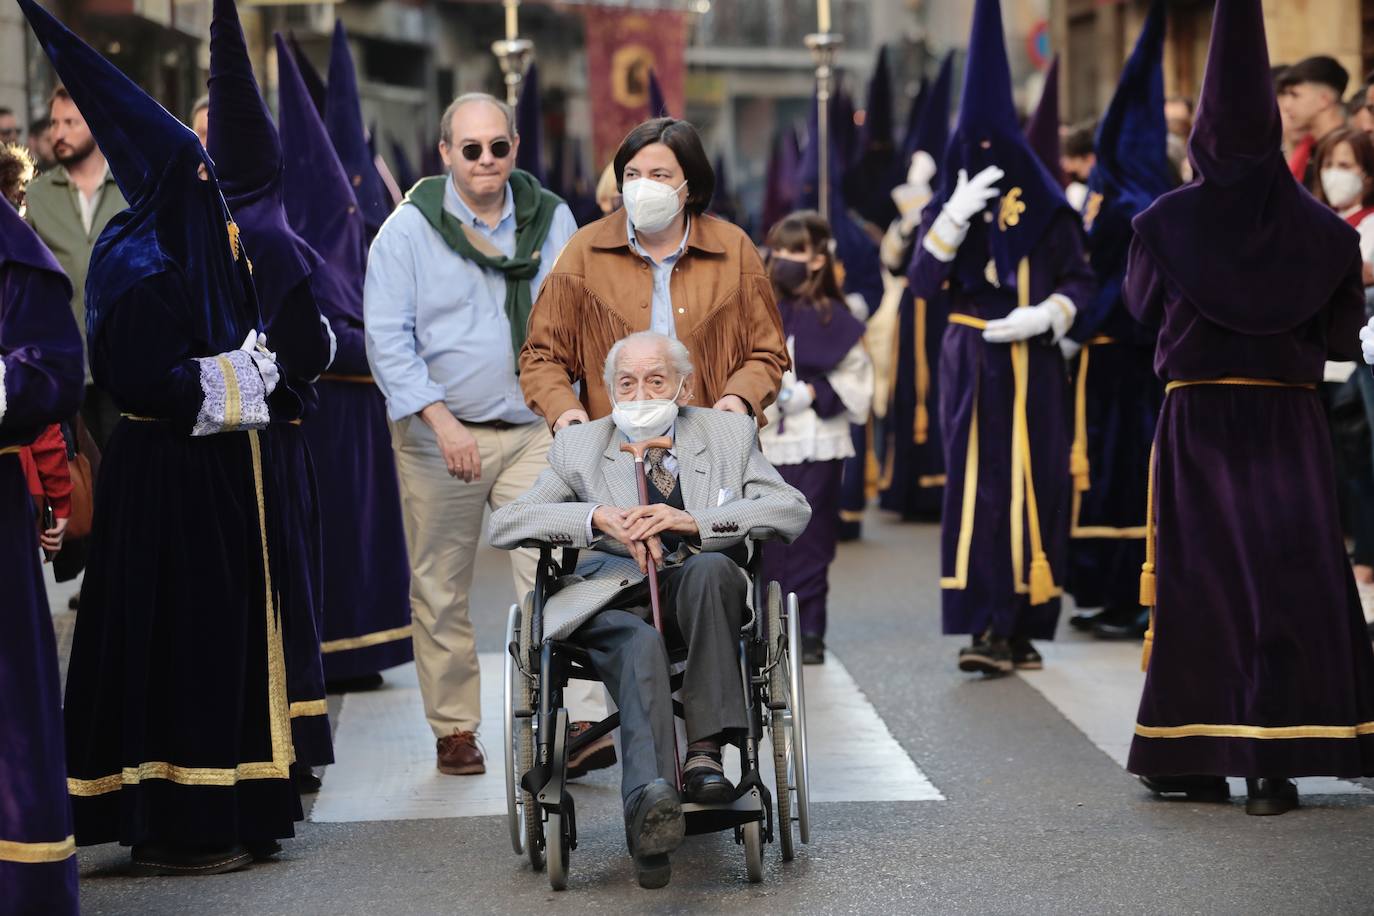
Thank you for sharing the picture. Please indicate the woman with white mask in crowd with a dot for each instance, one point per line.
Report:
(1345, 164)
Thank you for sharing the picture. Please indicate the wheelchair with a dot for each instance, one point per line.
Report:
(539, 806)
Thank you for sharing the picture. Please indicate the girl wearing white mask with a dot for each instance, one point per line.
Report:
(661, 263)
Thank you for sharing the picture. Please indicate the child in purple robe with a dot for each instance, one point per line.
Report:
(829, 387)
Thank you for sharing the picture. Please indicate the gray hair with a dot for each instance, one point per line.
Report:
(446, 123)
(678, 357)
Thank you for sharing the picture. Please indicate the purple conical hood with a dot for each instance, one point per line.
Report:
(529, 124)
(314, 83)
(658, 105)
(247, 152)
(1042, 130)
(1252, 250)
(343, 118)
(319, 198)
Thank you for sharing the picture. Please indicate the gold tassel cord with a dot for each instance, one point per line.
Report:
(1078, 456)
(921, 423)
(1041, 576)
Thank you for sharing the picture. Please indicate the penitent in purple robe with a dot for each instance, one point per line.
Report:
(986, 543)
(40, 383)
(1261, 666)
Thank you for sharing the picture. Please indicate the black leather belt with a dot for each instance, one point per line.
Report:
(492, 424)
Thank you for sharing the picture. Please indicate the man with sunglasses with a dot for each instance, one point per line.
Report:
(451, 278)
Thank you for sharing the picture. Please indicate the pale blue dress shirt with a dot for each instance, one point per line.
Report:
(436, 323)
(661, 315)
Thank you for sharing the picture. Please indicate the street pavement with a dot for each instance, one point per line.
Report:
(934, 792)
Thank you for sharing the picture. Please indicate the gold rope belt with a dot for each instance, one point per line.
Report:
(920, 427)
(11, 450)
(1078, 455)
(1040, 580)
(1149, 584)
(353, 379)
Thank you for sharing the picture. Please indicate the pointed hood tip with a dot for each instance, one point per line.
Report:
(343, 119)
(1042, 130)
(252, 162)
(1237, 120)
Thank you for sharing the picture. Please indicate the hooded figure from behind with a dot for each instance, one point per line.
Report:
(1257, 632)
(247, 153)
(178, 728)
(1001, 235)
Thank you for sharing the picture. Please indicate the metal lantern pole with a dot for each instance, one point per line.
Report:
(824, 45)
(513, 52)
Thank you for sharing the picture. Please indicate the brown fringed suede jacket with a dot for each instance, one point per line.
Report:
(600, 291)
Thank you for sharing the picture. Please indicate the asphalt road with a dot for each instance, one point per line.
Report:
(1036, 819)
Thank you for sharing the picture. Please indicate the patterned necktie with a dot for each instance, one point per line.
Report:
(659, 474)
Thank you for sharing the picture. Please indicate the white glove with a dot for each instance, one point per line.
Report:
(1367, 342)
(922, 169)
(1055, 314)
(255, 345)
(799, 399)
(972, 195)
(1069, 348)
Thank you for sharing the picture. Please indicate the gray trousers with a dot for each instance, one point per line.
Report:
(704, 604)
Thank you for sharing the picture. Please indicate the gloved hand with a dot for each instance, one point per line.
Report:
(797, 399)
(1367, 342)
(255, 345)
(1055, 314)
(972, 195)
(1069, 348)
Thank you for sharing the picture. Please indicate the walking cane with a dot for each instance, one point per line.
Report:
(638, 449)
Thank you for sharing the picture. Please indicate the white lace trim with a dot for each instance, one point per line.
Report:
(235, 397)
(3, 400)
(827, 446)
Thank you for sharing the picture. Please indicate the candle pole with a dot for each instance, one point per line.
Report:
(824, 45)
(513, 52)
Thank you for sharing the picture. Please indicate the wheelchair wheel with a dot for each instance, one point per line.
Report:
(517, 694)
(527, 739)
(557, 852)
(777, 726)
(753, 851)
(801, 773)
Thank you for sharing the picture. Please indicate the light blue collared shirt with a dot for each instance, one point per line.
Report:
(436, 323)
(661, 318)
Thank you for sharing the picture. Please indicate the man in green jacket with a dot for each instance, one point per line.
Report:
(68, 206)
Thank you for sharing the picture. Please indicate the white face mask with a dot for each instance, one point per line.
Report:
(1342, 187)
(651, 205)
(640, 420)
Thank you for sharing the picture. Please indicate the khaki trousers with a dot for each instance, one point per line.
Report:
(443, 522)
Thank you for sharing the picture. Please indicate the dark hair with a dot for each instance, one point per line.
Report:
(1081, 140)
(1361, 144)
(5, 111)
(1323, 70)
(682, 138)
(59, 92)
(807, 230)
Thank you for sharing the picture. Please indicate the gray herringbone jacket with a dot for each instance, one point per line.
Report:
(727, 486)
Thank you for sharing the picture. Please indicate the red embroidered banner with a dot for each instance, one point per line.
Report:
(623, 45)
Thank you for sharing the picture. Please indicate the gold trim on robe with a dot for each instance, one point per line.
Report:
(1263, 732)
(368, 639)
(37, 853)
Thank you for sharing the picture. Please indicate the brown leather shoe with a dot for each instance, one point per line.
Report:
(459, 755)
(598, 755)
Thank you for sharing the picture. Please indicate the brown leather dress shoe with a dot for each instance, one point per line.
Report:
(459, 755)
(598, 755)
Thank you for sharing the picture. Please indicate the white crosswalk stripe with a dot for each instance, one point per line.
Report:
(386, 753)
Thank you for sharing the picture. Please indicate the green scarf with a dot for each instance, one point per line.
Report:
(534, 210)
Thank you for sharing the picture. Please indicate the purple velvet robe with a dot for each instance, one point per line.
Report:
(40, 351)
(914, 465)
(1261, 665)
(984, 584)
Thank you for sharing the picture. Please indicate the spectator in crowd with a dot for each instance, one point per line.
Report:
(450, 281)
(607, 193)
(9, 126)
(1178, 114)
(829, 387)
(1310, 94)
(68, 207)
(1344, 164)
(200, 120)
(16, 170)
(40, 145)
(1358, 113)
(1077, 159)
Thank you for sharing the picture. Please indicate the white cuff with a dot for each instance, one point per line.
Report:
(235, 396)
(944, 237)
(3, 401)
(591, 532)
(1062, 314)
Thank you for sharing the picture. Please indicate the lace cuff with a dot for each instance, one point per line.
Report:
(235, 397)
(944, 237)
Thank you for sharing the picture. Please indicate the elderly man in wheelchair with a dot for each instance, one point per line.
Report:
(706, 494)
